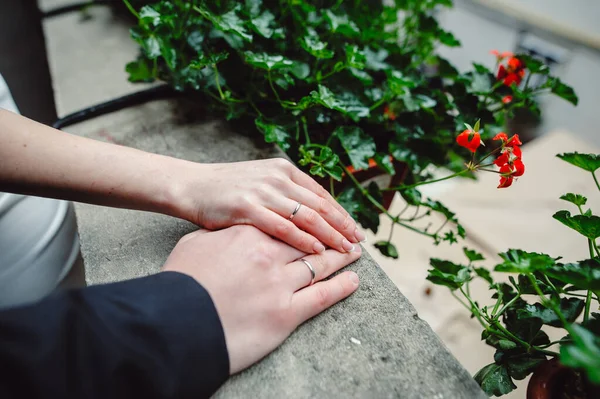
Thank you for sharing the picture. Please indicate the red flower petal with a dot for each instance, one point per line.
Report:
(463, 140)
(514, 140)
(507, 99)
(519, 168)
(514, 64)
(495, 52)
(501, 136)
(507, 54)
(506, 169)
(517, 152)
(501, 72)
(502, 159)
(505, 182)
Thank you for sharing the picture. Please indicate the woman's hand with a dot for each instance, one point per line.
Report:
(264, 194)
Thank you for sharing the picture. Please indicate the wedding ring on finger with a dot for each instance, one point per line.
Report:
(298, 205)
(312, 271)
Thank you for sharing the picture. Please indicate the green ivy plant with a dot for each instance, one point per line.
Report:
(542, 292)
(336, 84)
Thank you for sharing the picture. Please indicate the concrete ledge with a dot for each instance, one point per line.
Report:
(371, 345)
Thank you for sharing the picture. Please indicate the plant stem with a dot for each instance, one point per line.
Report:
(305, 128)
(596, 180)
(331, 190)
(273, 86)
(508, 304)
(401, 188)
(131, 9)
(217, 81)
(377, 104)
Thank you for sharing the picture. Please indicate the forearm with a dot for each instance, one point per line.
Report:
(154, 337)
(38, 160)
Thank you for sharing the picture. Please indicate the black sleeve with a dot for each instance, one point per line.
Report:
(154, 337)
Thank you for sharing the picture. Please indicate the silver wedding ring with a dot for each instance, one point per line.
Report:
(298, 205)
(312, 271)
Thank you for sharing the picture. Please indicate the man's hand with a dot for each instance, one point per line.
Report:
(260, 288)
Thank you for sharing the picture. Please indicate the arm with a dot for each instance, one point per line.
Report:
(38, 160)
(120, 340)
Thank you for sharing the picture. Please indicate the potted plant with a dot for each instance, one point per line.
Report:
(542, 292)
(341, 87)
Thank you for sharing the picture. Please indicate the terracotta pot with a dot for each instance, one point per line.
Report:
(374, 173)
(552, 380)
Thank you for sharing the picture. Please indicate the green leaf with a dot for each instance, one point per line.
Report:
(385, 163)
(495, 380)
(571, 308)
(376, 60)
(139, 71)
(534, 65)
(448, 38)
(347, 105)
(266, 61)
(263, 25)
(484, 274)
(520, 367)
(359, 146)
(589, 162)
(398, 84)
(355, 58)
(583, 353)
(584, 275)
(273, 133)
(341, 24)
(575, 199)
(472, 255)
(228, 22)
(313, 45)
(562, 90)
(519, 261)
(387, 249)
(204, 60)
(448, 273)
(586, 225)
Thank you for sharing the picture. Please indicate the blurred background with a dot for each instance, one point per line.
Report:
(564, 33)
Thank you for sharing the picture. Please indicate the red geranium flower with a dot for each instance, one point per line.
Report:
(507, 99)
(509, 161)
(506, 178)
(472, 144)
(388, 113)
(513, 72)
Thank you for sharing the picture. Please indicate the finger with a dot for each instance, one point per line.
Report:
(286, 231)
(324, 265)
(311, 301)
(309, 183)
(311, 222)
(341, 222)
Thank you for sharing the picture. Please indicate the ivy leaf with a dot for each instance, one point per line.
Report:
(576, 199)
(519, 261)
(495, 380)
(584, 275)
(341, 24)
(314, 46)
(447, 38)
(139, 71)
(448, 273)
(376, 60)
(583, 353)
(398, 84)
(266, 61)
(387, 249)
(412, 196)
(472, 255)
(228, 22)
(273, 133)
(262, 25)
(355, 58)
(358, 145)
(561, 90)
(586, 225)
(589, 162)
(571, 308)
(385, 163)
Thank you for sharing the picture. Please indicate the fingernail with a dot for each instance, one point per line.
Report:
(354, 278)
(348, 247)
(360, 236)
(318, 247)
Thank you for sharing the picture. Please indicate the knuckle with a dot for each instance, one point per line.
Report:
(347, 223)
(242, 208)
(312, 217)
(283, 229)
(281, 163)
(324, 207)
(322, 296)
(261, 256)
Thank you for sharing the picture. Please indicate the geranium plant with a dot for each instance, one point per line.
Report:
(541, 292)
(340, 86)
